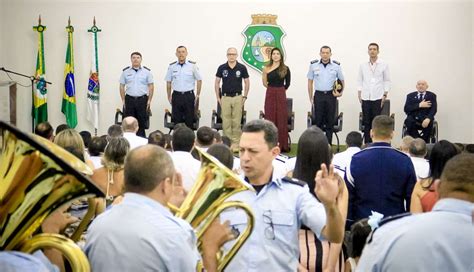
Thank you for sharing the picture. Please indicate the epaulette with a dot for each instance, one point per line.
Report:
(125, 68)
(294, 181)
(314, 61)
(336, 62)
(146, 68)
(173, 62)
(385, 221)
(193, 62)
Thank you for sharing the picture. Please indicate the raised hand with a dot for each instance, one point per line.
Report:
(327, 185)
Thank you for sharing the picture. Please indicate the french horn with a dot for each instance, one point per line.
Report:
(36, 178)
(207, 199)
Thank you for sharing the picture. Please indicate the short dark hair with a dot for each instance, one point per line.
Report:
(181, 46)
(157, 137)
(183, 139)
(313, 150)
(417, 148)
(44, 129)
(205, 136)
(325, 47)
(360, 230)
(145, 167)
(135, 53)
(458, 175)
(97, 145)
(354, 139)
(223, 154)
(382, 125)
(61, 128)
(226, 140)
(115, 131)
(270, 131)
(217, 137)
(373, 44)
(469, 148)
(86, 137)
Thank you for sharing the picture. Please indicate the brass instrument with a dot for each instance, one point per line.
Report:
(207, 199)
(36, 178)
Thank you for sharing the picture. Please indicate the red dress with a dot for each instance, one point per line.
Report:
(275, 105)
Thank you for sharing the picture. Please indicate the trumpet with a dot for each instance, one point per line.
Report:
(37, 177)
(207, 199)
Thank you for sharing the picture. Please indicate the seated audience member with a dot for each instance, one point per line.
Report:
(441, 240)
(61, 128)
(380, 178)
(314, 150)
(420, 107)
(280, 205)
(96, 148)
(227, 141)
(157, 138)
(469, 148)
(70, 140)
(405, 145)
(45, 130)
(168, 139)
(360, 230)
(460, 146)
(115, 131)
(217, 137)
(223, 154)
(205, 137)
(424, 195)
(342, 160)
(182, 143)
(86, 137)
(130, 128)
(109, 178)
(141, 233)
(417, 152)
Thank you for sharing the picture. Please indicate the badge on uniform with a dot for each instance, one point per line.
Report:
(337, 86)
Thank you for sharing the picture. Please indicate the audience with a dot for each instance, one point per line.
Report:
(115, 131)
(417, 151)
(61, 128)
(182, 143)
(342, 160)
(405, 145)
(70, 140)
(86, 137)
(96, 148)
(130, 128)
(380, 178)
(360, 230)
(205, 137)
(157, 138)
(223, 154)
(424, 195)
(45, 130)
(441, 240)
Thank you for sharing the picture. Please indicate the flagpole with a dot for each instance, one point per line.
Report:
(93, 107)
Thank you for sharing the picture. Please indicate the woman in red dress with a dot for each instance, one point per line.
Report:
(276, 78)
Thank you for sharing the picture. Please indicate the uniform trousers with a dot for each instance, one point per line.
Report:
(325, 112)
(136, 106)
(182, 111)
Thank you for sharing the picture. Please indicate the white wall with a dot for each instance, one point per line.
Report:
(429, 40)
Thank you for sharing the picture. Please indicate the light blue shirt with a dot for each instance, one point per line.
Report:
(14, 261)
(279, 209)
(136, 82)
(183, 76)
(324, 76)
(440, 240)
(140, 234)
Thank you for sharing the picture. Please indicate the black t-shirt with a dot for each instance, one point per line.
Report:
(232, 77)
(274, 79)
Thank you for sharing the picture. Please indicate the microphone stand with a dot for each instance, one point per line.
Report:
(32, 79)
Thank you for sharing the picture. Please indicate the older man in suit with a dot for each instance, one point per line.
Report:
(420, 107)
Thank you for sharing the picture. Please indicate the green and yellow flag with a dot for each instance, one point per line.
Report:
(40, 103)
(69, 94)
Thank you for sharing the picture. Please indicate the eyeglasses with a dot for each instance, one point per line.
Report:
(270, 230)
(231, 54)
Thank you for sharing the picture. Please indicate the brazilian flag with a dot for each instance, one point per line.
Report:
(40, 103)
(69, 95)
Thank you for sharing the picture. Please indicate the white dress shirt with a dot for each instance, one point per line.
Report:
(187, 166)
(342, 160)
(422, 167)
(96, 161)
(373, 80)
(134, 140)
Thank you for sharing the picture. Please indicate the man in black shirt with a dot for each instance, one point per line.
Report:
(231, 99)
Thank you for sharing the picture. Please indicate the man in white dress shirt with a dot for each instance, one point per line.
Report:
(373, 85)
(417, 151)
(130, 128)
(342, 160)
(184, 163)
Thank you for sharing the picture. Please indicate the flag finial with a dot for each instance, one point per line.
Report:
(39, 19)
(94, 20)
(69, 21)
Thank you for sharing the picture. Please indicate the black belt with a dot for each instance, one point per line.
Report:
(232, 94)
(323, 92)
(137, 97)
(186, 92)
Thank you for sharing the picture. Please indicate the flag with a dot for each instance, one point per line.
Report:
(69, 94)
(93, 89)
(40, 104)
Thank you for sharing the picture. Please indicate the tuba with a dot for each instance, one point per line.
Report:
(37, 177)
(207, 199)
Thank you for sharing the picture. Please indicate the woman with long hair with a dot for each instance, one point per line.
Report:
(314, 150)
(276, 78)
(424, 196)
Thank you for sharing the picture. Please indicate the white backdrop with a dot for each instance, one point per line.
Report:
(419, 40)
